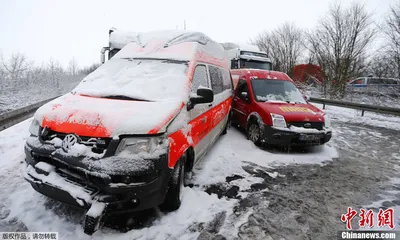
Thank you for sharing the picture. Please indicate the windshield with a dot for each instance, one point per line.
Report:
(276, 90)
(254, 54)
(137, 79)
(255, 64)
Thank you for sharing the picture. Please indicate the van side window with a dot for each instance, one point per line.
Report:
(199, 78)
(227, 80)
(389, 81)
(357, 81)
(374, 81)
(216, 79)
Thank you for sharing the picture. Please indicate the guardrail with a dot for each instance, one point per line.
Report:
(11, 118)
(358, 106)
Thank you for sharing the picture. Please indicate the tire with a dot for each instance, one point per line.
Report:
(226, 127)
(173, 197)
(254, 133)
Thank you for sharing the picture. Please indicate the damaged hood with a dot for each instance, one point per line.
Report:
(103, 117)
(295, 112)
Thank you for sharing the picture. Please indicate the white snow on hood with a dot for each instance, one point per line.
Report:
(116, 116)
(154, 80)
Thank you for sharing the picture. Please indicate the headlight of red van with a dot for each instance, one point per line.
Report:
(327, 121)
(137, 145)
(278, 120)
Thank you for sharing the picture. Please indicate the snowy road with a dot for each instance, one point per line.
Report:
(238, 191)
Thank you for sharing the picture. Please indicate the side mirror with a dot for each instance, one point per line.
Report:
(244, 96)
(204, 95)
(103, 56)
(306, 97)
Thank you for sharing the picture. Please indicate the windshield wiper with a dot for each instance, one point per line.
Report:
(122, 97)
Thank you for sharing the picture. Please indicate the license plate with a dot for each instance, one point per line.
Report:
(309, 137)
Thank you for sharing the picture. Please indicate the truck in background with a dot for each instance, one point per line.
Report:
(244, 56)
(112, 50)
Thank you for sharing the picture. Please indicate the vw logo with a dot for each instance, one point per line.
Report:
(307, 125)
(69, 141)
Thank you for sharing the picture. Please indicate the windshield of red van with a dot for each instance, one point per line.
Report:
(137, 79)
(276, 90)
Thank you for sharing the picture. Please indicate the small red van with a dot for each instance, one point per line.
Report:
(272, 110)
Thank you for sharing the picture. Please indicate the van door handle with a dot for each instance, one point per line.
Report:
(210, 105)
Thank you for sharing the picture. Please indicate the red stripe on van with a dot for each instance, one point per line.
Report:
(81, 129)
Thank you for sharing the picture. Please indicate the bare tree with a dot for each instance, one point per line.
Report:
(89, 69)
(55, 70)
(339, 44)
(391, 30)
(73, 67)
(283, 44)
(381, 65)
(17, 66)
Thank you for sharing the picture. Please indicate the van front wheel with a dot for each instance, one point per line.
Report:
(254, 133)
(175, 185)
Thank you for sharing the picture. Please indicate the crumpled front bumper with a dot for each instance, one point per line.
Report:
(133, 185)
(285, 137)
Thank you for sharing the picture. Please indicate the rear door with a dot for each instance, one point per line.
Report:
(240, 105)
(221, 104)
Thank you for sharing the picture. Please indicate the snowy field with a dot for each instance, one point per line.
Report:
(238, 191)
(11, 99)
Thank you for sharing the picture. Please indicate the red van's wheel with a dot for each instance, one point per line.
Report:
(254, 133)
(173, 198)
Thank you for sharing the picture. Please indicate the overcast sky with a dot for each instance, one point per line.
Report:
(42, 29)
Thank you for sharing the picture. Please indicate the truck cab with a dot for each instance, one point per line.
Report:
(244, 56)
(117, 40)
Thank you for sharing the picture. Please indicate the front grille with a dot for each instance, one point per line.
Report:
(97, 145)
(314, 125)
(69, 172)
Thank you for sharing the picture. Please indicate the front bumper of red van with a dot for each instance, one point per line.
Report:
(70, 180)
(285, 137)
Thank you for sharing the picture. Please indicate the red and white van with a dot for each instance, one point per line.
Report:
(272, 110)
(123, 138)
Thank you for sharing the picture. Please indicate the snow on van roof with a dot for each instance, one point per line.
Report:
(119, 39)
(167, 44)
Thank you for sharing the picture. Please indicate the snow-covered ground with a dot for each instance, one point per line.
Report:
(237, 190)
(354, 116)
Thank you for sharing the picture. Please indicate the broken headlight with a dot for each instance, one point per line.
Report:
(327, 121)
(136, 145)
(34, 128)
